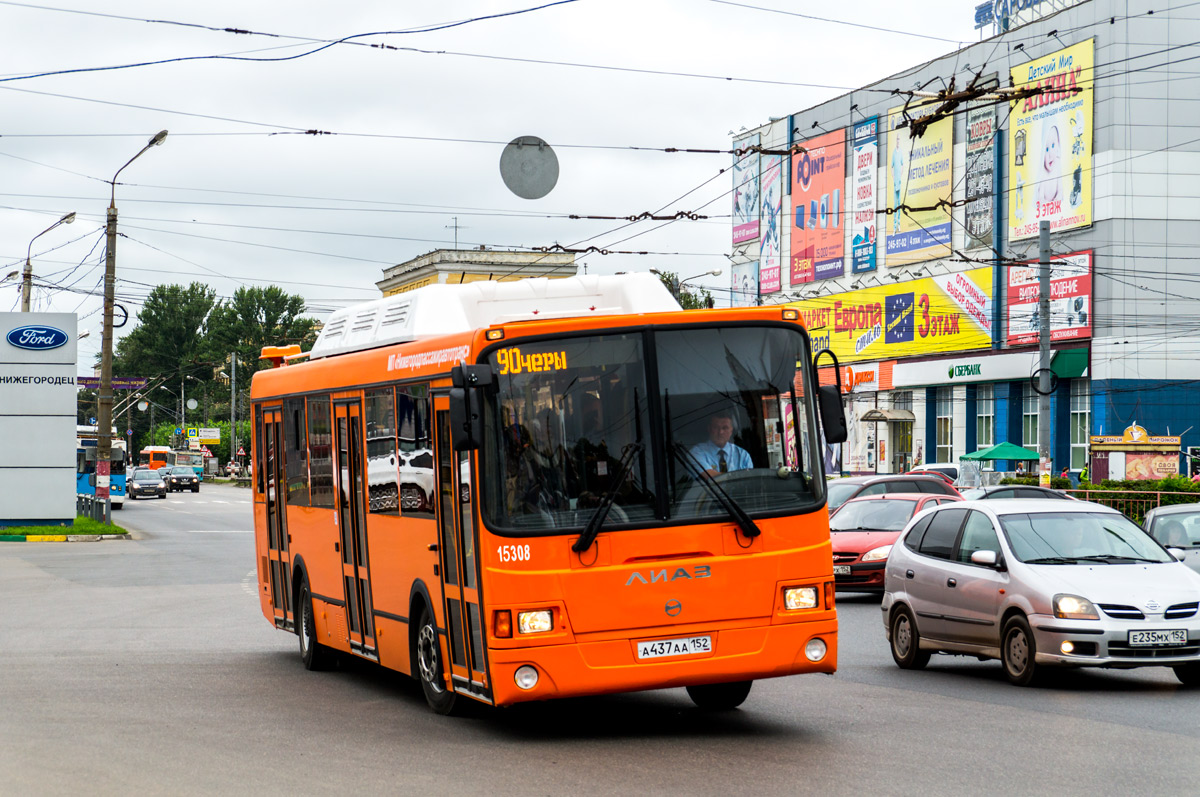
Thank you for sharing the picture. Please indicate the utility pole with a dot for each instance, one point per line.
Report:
(1044, 351)
(233, 408)
(105, 400)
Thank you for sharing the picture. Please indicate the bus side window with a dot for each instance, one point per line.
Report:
(295, 449)
(379, 415)
(415, 444)
(320, 452)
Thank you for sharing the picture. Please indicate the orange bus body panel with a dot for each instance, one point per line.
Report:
(602, 605)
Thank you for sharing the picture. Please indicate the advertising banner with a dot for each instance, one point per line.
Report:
(745, 284)
(118, 383)
(745, 192)
(981, 176)
(1070, 299)
(919, 176)
(1050, 144)
(770, 279)
(818, 236)
(866, 165)
(932, 315)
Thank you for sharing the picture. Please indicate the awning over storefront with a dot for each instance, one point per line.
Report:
(1003, 451)
(1070, 363)
(890, 416)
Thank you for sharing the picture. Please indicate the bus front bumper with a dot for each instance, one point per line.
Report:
(612, 665)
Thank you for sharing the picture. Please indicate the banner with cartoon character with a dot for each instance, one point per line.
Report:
(745, 190)
(1050, 143)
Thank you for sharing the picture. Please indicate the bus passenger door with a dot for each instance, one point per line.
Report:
(270, 465)
(460, 576)
(352, 526)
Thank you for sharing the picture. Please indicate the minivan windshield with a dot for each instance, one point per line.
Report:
(1079, 538)
(659, 420)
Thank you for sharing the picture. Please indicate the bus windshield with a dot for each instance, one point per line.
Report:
(662, 421)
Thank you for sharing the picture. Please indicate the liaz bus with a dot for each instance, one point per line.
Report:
(155, 457)
(546, 488)
(85, 465)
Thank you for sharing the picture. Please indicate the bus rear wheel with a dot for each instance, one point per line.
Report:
(428, 666)
(720, 697)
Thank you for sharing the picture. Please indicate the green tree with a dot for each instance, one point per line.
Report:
(688, 298)
(254, 318)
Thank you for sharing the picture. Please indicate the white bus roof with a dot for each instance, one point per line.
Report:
(448, 309)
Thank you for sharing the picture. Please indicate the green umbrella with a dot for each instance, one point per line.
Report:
(1003, 451)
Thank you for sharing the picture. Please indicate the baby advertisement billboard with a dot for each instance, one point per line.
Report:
(919, 172)
(932, 315)
(818, 235)
(1050, 144)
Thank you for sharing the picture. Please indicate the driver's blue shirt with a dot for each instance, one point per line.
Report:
(709, 457)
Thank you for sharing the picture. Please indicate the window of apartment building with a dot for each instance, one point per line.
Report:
(945, 424)
(1029, 417)
(1081, 415)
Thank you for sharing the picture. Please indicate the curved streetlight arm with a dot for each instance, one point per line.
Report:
(716, 272)
(158, 138)
(27, 276)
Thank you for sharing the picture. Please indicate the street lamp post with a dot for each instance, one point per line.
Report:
(716, 272)
(27, 278)
(105, 400)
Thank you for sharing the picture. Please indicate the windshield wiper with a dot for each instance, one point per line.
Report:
(1110, 556)
(606, 502)
(1052, 560)
(736, 512)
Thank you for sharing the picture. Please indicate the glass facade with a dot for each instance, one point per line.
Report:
(945, 424)
(1029, 417)
(1081, 413)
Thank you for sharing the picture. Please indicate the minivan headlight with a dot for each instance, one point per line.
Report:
(1073, 607)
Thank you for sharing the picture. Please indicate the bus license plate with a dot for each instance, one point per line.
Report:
(1173, 636)
(841, 570)
(688, 646)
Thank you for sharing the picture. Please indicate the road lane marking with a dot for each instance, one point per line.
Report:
(220, 531)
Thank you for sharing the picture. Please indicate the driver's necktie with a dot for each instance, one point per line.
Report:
(722, 463)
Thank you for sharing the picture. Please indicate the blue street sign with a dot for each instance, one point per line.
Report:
(92, 421)
(178, 430)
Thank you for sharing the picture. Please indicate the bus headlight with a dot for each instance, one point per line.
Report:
(538, 622)
(795, 598)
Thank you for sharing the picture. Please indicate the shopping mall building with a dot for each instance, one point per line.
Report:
(905, 229)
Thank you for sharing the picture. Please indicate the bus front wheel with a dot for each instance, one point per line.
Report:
(720, 697)
(428, 649)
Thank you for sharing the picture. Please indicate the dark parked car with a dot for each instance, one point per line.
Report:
(145, 482)
(842, 490)
(862, 531)
(182, 478)
(1013, 491)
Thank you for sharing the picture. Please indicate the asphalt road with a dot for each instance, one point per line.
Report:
(145, 666)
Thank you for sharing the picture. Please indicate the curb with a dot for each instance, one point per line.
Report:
(63, 537)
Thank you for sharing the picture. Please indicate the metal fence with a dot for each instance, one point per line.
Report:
(90, 507)
(1133, 505)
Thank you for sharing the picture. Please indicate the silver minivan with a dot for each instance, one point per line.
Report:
(1040, 582)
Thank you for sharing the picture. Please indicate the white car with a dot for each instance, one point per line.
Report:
(1037, 583)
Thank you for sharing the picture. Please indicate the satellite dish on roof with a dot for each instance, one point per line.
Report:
(529, 167)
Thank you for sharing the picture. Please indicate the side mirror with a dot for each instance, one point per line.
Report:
(466, 406)
(985, 558)
(829, 403)
(1178, 553)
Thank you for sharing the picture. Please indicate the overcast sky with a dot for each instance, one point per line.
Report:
(237, 195)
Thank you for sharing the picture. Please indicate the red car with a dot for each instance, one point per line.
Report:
(863, 530)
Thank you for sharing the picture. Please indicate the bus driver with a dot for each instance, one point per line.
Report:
(718, 454)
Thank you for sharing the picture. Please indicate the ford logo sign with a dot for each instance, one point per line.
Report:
(37, 338)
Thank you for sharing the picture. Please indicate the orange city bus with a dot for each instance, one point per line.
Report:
(547, 488)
